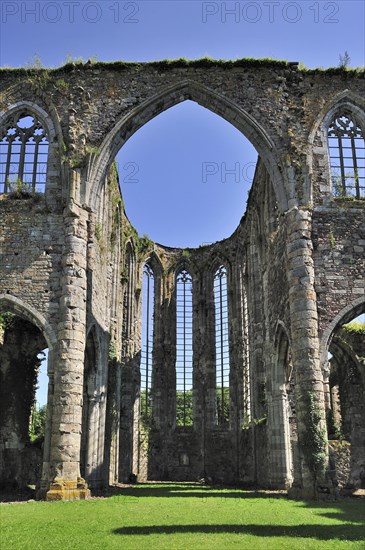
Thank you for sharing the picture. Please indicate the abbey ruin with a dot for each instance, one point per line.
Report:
(245, 373)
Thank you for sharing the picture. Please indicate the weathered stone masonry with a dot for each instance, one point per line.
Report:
(71, 272)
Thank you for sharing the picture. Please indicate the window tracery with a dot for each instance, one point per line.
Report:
(347, 156)
(23, 155)
(184, 349)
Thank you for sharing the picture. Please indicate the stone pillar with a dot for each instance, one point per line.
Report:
(64, 468)
(305, 356)
(92, 449)
(280, 448)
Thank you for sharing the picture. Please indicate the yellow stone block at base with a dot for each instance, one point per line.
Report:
(68, 490)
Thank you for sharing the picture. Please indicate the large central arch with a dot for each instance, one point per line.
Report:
(172, 95)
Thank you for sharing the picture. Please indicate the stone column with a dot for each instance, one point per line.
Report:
(64, 471)
(280, 451)
(305, 356)
(92, 451)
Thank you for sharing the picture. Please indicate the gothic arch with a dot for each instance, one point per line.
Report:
(169, 97)
(154, 261)
(216, 261)
(343, 100)
(357, 307)
(278, 410)
(53, 128)
(35, 110)
(24, 310)
(337, 346)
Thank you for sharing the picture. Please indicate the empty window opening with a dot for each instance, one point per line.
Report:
(186, 162)
(221, 345)
(347, 157)
(23, 156)
(184, 349)
(128, 280)
(37, 423)
(147, 340)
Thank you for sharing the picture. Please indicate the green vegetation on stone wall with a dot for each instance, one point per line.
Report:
(355, 326)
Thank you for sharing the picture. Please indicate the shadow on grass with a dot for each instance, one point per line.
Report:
(348, 532)
(348, 510)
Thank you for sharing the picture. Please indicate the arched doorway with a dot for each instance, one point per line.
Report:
(344, 384)
(23, 422)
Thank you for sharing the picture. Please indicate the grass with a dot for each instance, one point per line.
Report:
(182, 517)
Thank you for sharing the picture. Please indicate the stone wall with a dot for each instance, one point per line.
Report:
(71, 264)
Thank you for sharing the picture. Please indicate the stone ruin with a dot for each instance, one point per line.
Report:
(266, 372)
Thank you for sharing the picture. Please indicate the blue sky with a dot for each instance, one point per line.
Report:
(170, 153)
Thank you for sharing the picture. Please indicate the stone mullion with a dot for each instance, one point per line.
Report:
(304, 336)
(69, 372)
(210, 374)
(169, 352)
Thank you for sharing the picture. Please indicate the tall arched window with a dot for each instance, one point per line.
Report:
(128, 279)
(23, 155)
(147, 340)
(347, 156)
(184, 349)
(221, 344)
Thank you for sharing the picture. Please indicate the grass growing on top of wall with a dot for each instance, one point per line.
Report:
(184, 516)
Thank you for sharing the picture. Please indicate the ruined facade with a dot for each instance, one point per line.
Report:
(245, 403)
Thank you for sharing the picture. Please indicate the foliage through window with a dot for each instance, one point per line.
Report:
(347, 157)
(184, 348)
(23, 155)
(221, 345)
(147, 341)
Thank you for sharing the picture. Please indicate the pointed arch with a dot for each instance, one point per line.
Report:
(53, 127)
(147, 338)
(318, 151)
(357, 307)
(216, 260)
(338, 345)
(26, 311)
(128, 301)
(53, 133)
(281, 431)
(344, 100)
(154, 261)
(222, 344)
(170, 96)
(184, 347)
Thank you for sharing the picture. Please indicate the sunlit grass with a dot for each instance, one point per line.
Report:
(183, 517)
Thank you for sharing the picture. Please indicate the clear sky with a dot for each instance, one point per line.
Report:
(171, 151)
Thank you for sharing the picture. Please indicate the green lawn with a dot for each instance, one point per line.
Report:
(183, 517)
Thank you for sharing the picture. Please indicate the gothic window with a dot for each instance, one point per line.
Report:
(221, 345)
(128, 280)
(184, 349)
(347, 157)
(147, 339)
(23, 155)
